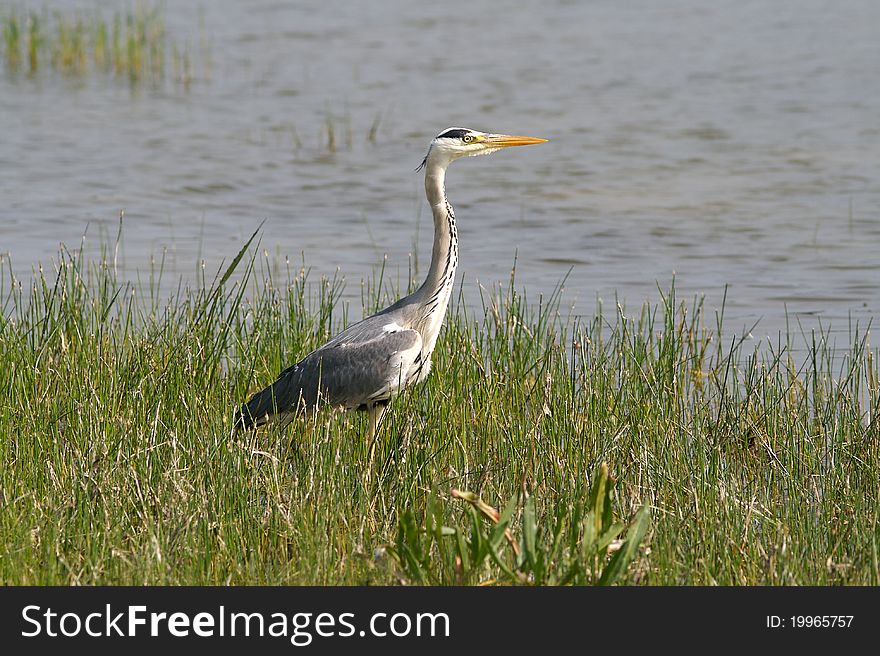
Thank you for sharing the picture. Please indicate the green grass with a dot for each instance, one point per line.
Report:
(756, 467)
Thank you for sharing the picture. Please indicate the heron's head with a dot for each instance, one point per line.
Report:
(453, 143)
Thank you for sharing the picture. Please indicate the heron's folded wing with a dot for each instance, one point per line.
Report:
(342, 374)
(354, 374)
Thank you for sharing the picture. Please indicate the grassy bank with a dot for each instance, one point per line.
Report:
(118, 465)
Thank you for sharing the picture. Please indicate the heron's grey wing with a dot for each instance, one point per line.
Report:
(341, 373)
(361, 373)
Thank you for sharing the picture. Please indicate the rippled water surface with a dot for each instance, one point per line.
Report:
(727, 143)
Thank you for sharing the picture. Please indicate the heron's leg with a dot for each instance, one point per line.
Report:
(374, 415)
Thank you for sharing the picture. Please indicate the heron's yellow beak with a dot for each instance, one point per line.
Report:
(504, 140)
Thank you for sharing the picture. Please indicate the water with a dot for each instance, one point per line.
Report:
(728, 144)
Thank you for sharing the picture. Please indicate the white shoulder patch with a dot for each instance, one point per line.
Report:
(392, 327)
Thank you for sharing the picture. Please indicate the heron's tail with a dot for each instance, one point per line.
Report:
(280, 400)
(262, 408)
(255, 413)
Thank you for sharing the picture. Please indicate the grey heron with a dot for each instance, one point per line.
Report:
(366, 365)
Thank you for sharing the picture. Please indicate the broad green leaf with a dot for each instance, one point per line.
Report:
(621, 560)
(530, 531)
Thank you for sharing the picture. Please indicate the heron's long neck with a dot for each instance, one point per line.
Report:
(435, 291)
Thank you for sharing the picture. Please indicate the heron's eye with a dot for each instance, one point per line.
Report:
(468, 138)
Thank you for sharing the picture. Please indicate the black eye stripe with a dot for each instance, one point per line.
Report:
(456, 133)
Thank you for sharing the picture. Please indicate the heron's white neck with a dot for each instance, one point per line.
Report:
(435, 292)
